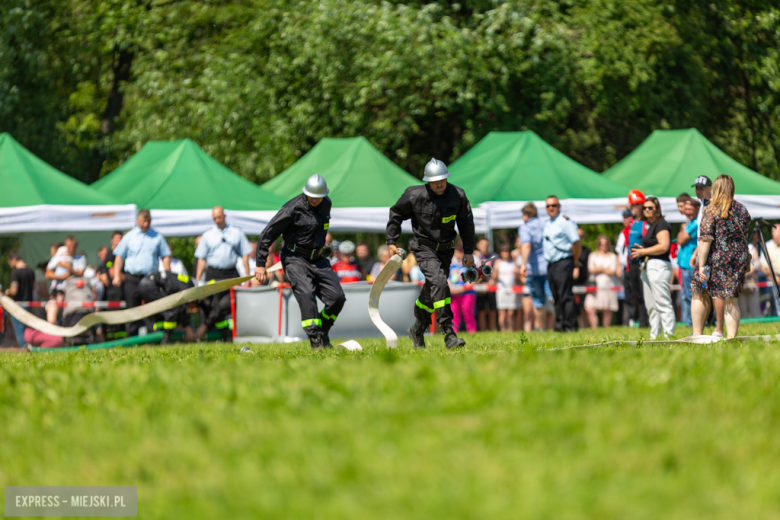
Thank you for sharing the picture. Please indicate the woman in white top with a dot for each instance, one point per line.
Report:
(604, 266)
(505, 274)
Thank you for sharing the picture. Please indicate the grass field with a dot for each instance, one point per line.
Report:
(500, 429)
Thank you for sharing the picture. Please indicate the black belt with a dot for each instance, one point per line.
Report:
(436, 246)
(311, 254)
(561, 260)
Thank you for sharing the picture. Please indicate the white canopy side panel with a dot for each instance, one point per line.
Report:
(506, 215)
(374, 220)
(66, 218)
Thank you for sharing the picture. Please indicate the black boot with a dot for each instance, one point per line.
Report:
(167, 338)
(417, 333)
(325, 340)
(451, 340)
(316, 341)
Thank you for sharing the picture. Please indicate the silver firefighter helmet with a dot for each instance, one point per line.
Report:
(435, 170)
(316, 187)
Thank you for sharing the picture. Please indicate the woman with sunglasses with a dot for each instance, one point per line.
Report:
(657, 271)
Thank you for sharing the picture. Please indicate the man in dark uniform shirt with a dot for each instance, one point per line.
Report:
(303, 224)
(159, 285)
(434, 209)
(21, 289)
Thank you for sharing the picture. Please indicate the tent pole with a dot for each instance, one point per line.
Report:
(490, 231)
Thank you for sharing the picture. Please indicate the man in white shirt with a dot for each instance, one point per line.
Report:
(219, 249)
(773, 250)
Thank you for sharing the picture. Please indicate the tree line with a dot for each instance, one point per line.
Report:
(84, 83)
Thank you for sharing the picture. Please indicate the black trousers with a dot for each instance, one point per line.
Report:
(312, 280)
(217, 307)
(435, 293)
(166, 320)
(635, 299)
(115, 294)
(560, 274)
(133, 298)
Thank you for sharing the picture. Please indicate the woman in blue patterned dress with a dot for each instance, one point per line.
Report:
(723, 247)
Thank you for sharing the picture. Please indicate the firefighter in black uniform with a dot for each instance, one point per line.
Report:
(158, 285)
(434, 208)
(303, 224)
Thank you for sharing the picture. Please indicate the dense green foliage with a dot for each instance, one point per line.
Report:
(84, 83)
(501, 429)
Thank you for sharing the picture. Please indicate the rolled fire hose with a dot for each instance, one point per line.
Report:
(118, 317)
(393, 265)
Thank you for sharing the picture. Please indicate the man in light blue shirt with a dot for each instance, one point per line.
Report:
(562, 248)
(139, 252)
(533, 267)
(687, 240)
(218, 252)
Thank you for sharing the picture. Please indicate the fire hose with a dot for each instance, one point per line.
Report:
(118, 317)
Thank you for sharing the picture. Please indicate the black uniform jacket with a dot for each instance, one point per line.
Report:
(298, 223)
(172, 283)
(433, 216)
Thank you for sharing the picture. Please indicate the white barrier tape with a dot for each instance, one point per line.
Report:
(699, 340)
(118, 317)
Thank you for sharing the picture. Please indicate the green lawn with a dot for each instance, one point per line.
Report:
(500, 429)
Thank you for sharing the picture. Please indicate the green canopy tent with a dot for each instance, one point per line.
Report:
(180, 183)
(667, 163)
(363, 183)
(505, 170)
(42, 204)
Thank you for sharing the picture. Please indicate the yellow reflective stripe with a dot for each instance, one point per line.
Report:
(169, 325)
(327, 226)
(222, 324)
(309, 323)
(448, 219)
(211, 281)
(423, 307)
(109, 264)
(328, 317)
(183, 278)
(441, 303)
(158, 325)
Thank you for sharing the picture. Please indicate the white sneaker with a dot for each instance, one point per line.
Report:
(717, 334)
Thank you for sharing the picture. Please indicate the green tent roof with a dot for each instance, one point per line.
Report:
(358, 175)
(180, 175)
(521, 166)
(667, 163)
(29, 181)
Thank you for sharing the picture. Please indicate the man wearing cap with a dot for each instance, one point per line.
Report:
(139, 254)
(562, 248)
(347, 269)
(434, 209)
(632, 282)
(303, 224)
(218, 251)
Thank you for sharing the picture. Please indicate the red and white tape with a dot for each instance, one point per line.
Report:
(83, 305)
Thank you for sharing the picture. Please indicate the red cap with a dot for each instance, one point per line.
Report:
(636, 197)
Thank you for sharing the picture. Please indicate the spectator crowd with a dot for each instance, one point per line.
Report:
(546, 280)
